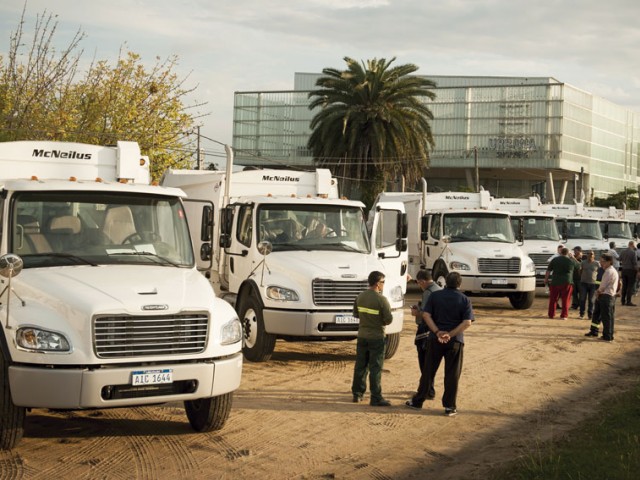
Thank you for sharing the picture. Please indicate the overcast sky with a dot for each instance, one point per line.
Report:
(241, 45)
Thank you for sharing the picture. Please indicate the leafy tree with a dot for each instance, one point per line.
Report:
(628, 197)
(373, 124)
(44, 97)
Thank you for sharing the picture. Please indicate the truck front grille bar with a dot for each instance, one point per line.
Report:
(332, 292)
(135, 336)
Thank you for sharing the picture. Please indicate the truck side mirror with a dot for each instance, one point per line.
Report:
(205, 252)
(521, 230)
(226, 220)
(401, 245)
(402, 226)
(424, 228)
(206, 225)
(225, 240)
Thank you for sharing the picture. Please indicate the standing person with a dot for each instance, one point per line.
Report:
(448, 313)
(629, 272)
(588, 283)
(374, 312)
(428, 286)
(614, 254)
(575, 297)
(606, 300)
(560, 285)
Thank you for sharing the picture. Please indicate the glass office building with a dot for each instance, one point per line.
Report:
(515, 134)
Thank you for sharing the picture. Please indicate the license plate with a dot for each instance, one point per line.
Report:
(151, 377)
(499, 281)
(347, 319)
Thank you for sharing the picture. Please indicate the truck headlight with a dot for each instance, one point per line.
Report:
(36, 339)
(459, 266)
(282, 294)
(231, 332)
(530, 267)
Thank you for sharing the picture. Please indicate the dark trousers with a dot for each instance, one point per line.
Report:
(576, 295)
(421, 347)
(452, 353)
(607, 313)
(587, 291)
(369, 359)
(628, 283)
(564, 293)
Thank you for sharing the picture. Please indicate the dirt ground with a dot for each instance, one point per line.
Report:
(526, 379)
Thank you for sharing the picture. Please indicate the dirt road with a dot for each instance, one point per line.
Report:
(526, 379)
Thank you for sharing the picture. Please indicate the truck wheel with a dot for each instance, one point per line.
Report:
(522, 300)
(11, 417)
(391, 345)
(440, 275)
(258, 344)
(207, 414)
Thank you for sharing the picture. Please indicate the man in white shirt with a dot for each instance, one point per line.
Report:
(605, 300)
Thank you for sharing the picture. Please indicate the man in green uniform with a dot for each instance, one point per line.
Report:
(374, 312)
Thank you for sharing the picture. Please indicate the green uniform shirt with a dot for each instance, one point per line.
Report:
(374, 312)
(561, 269)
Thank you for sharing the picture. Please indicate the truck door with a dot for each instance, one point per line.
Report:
(241, 257)
(389, 240)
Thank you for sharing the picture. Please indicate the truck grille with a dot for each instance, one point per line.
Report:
(499, 265)
(134, 336)
(540, 259)
(330, 292)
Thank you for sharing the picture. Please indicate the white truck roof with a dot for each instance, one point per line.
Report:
(87, 185)
(60, 160)
(317, 183)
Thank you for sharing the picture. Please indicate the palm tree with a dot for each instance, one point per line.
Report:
(373, 124)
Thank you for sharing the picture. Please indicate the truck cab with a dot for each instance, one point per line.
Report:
(102, 305)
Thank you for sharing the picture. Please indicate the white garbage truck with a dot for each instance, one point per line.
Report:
(459, 231)
(539, 230)
(614, 225)
(101, 303)
(576, 227)
(291, 255)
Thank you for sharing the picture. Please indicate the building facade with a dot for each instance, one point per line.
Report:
(513, 134)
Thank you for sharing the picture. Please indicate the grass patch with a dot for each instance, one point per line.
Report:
(606, 446)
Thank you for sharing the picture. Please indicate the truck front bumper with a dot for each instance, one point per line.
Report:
(298, 323)
(110, 386)
(496, 284)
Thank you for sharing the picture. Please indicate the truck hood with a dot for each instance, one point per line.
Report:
(327, 264)
(120, 289)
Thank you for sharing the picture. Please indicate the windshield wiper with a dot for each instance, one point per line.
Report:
(68, 256)
(153, 256)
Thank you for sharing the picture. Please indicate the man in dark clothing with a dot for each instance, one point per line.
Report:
(575, 294)
(428, 286)
(561, 282)
(448, 314)
(374, 312)
(629, 272)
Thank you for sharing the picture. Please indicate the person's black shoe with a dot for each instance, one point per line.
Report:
(413, 404)
(591, 334)
(356, 399)
(450, 412)
(431, 397)
(606, 339)
(380, 403)
(631, 304)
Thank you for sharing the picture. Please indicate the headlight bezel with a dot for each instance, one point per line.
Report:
(26, 335)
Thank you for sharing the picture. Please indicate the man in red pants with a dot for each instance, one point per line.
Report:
(560, 269)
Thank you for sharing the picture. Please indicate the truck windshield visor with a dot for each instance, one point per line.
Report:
(316, 227)
(478, 227)
(537, 228)
(80, 228)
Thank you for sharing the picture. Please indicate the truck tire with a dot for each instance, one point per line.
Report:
(440, 274)
(11, 417)
(522, 300)
(257, 345)
(207, 414)
(391, 345)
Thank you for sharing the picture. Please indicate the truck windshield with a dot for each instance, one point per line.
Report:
(581, 228)
(537, 228)
(80, 228)
(616, 229)
(478, 227)
(316, 227)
